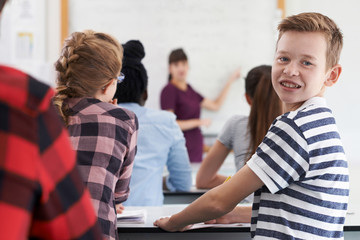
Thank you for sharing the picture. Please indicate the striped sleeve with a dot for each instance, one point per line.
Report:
(282, 157)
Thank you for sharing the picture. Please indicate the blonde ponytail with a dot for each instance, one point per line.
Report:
(88, 61)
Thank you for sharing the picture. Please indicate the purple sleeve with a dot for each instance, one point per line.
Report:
(168, 98)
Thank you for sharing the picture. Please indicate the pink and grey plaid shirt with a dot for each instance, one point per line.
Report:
(104, 137)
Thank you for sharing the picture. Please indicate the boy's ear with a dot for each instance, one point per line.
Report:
(334, 75)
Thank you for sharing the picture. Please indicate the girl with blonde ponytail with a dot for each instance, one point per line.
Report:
(103, 134)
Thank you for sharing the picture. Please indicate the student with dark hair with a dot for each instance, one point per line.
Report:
(160, 140)
(42, 195)
(243, 133)
(180, 98)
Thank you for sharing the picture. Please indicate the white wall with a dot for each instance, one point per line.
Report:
(30, 37)
(53, 26)
(344, 96)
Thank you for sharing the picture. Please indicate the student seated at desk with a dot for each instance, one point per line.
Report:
(241, 133)
(299, 171)
(103, 135)
(160, 141)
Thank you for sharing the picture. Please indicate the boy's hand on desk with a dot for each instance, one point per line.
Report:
(221, 220)
(165, 224)
(240, 214)
(119, 208)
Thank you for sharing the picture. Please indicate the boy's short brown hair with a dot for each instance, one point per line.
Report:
(316, 22)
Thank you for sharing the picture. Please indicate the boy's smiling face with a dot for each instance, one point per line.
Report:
(299, 70)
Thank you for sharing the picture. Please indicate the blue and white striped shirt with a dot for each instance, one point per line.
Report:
(302, 164)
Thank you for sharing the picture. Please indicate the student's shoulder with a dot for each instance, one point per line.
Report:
(312, 114)
(114, 110)
(311, 110)
(125, 115)
(237, 120)
(161, 116)
(235, 125)
(23, 92)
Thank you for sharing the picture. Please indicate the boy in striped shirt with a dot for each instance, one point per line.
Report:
(299, 172)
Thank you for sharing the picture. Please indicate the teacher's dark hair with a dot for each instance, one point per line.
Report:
(177, 55)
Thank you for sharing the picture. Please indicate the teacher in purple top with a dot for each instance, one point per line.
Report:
(181, 99)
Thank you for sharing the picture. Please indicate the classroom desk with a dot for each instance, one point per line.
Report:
(228, 168)
(351, 228)
(148, 231)
(183, 197)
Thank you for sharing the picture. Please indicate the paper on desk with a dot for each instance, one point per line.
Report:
(132, 216)
(215, 225)
(203, 225)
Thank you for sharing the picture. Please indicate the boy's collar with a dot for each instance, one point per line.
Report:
(319, 101)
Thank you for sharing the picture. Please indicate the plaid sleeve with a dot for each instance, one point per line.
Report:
(122, 185)
(41, 193)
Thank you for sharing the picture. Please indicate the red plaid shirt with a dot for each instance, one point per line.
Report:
(41, 193)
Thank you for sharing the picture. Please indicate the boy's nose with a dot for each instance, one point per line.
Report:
(291, 69)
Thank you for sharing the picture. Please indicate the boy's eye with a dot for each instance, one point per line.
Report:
(283, 59)
(307, 63)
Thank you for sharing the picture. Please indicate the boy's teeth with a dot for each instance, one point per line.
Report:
(290, 85)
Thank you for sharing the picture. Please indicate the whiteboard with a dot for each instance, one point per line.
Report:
(218, 37)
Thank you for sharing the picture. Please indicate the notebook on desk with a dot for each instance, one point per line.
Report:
(217, 225)
(132, 216)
